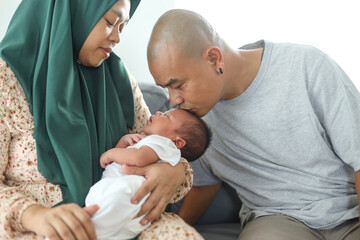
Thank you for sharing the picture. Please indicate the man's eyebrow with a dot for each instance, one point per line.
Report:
(171, 81)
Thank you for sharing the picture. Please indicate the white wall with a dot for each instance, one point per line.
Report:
(330, 25)
(7, 9)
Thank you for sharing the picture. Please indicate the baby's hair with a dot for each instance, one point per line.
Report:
(197, 135)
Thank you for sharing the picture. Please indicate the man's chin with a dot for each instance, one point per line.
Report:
(199, 112)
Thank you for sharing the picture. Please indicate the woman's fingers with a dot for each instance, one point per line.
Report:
(61, 229)
(155, 212)
(158, 184)
(78, 223)
(65, 222)
(162, 181)
(91, 210)
(51, 233)
(146, 187)
(152, 200)
(84, 217)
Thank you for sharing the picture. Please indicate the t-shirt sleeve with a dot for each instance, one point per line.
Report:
(336, 102)
(203, 175)
(163, 147)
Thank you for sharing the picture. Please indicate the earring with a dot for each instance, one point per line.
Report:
(221, 71)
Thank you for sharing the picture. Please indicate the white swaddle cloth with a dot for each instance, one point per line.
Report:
(114, 219)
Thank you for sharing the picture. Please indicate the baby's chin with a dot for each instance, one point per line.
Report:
(146, 130)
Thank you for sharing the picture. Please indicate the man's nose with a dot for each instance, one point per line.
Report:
(175, 98)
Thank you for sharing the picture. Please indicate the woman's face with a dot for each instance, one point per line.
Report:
(105, 35)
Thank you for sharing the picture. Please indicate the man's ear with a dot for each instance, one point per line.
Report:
(179, 142)
(214, 56)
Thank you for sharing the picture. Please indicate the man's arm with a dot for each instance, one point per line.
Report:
(130, 156)
(196, 202)
(357, 183)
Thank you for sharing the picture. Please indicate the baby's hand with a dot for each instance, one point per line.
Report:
(129, 140)
(105, 160)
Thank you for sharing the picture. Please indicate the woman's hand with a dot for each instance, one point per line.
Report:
(67, 221)
(162, 181)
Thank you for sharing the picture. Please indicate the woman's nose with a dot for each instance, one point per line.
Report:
(158, 114)
(115, 36)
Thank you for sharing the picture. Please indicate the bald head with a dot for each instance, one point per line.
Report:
(189, 32)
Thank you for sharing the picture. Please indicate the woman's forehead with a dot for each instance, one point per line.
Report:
(121, 9)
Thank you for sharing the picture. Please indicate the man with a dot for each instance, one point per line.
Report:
(286, 129)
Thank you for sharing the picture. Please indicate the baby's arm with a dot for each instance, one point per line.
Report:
(130, 156)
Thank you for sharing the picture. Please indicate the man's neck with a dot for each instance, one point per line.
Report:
(241, 68)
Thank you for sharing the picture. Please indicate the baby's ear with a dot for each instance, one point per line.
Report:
(179, 142)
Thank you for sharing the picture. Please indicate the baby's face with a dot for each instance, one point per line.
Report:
(166, 124)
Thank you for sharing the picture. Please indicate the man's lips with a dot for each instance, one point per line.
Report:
(187, 109)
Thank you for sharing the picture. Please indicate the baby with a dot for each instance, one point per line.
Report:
(167, 136)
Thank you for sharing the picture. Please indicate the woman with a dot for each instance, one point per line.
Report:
(65, 99)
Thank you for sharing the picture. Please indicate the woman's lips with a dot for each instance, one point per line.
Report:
(106, 51)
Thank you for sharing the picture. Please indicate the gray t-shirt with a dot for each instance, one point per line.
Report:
(291, 142)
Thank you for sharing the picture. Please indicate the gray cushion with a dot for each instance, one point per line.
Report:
(155, 97)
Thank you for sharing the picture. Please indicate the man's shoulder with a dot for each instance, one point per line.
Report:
(284, 49)
(254, 45)
(296, 48)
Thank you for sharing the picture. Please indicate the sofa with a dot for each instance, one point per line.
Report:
(221, 219)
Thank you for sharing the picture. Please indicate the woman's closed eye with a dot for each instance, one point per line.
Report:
(109, 23)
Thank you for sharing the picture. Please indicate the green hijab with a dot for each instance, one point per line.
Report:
(79, 112)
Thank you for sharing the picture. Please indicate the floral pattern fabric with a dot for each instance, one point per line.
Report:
(170, 227)
(21, 184)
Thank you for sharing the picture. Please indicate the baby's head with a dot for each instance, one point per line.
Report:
(189, 132)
